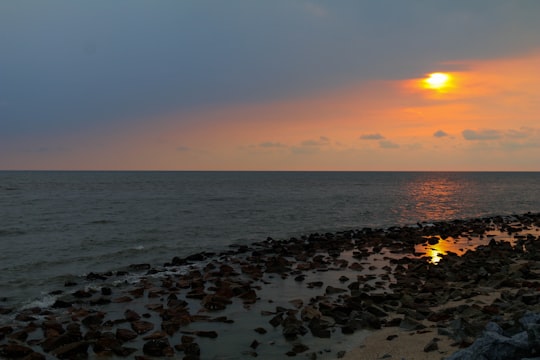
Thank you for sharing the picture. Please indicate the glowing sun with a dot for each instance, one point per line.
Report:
(437, 81)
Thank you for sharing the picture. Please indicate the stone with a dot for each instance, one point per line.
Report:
(261, 330)
(73, 350)
(206, 334)
(431, 346)
(141, 326)
(330, 290)
(125, 334)
(131, 315)
(411, 324)
(14, 351)
(158, 347)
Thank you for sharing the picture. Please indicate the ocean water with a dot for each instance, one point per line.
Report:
(58, 225)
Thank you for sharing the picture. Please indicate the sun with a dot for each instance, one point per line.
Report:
(437, 81)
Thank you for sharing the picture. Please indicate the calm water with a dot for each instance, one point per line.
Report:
(54, 225)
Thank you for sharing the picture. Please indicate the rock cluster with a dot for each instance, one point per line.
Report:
(173, 308)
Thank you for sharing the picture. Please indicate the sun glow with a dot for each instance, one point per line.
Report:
(437, 81)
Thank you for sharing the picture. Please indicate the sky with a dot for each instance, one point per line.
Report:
(270, 85)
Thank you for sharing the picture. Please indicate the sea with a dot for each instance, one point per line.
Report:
(59, 225)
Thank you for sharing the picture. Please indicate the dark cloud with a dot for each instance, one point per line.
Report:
(440, 133)
(71, 65)
(485, 134)
(376, 136)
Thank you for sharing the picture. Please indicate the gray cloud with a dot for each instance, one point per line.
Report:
(376, 136)
(386, 144)
(440, 133)
(485, 134)
(270, 144)
(322, 141)
(183, 149)
(517, 134)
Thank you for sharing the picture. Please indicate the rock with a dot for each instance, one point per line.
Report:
(72, 351)
(207, 334)
(14, 351)
(260, 330)
(377, 311)
(317, 329)
(300, 348)
(93, 321)
(158, 347)
(276, 320)
(411, 324)
(140, 267)
(309, 312)
(61, 304)
(131, 315)
(330, 290)
(106, 291)
(141, 326)
(125, 334)
(431, 346)
(494, 345)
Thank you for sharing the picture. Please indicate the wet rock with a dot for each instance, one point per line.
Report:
(207, 334)
(330, 290)
(125, 334)
(318, 329)
(106, 291)
(62, 304)
(14, 351)
(74, 350)
(261, 330)
(158, 347)
(131, 315)
(141, 326)
(140, 267)
(276, 320)
(300, 348)
(93, 321)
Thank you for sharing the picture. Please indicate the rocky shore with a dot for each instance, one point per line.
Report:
(459, 283)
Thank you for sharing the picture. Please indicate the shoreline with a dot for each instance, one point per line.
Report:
(369, 294)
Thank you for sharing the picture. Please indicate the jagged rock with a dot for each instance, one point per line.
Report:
(494, 345)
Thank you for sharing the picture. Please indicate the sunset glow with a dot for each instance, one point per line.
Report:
(245, 95)
(437, 81)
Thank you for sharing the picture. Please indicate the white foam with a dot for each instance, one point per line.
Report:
(43, 302)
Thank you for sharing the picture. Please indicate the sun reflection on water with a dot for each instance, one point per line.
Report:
(435, 251)
(437, 196)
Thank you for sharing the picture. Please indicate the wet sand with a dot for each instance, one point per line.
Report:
(362, 294)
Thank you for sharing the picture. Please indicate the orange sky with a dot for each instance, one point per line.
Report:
(217, 85)
(488, 121)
